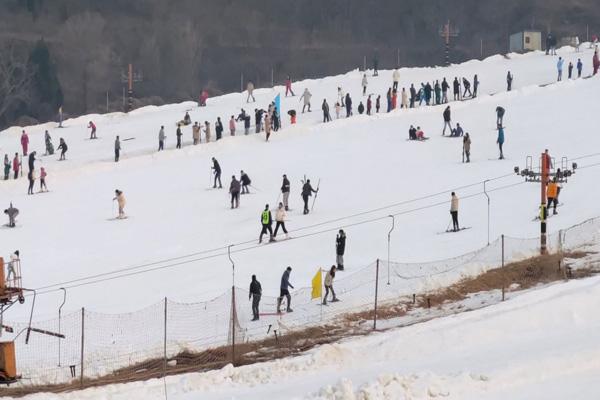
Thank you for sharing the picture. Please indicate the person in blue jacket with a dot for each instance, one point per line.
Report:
(500, 141)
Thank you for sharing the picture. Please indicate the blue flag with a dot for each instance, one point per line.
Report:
(278, 105)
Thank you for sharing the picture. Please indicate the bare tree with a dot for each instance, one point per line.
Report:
(15, 80)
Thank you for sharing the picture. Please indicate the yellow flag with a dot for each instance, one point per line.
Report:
(317, 285)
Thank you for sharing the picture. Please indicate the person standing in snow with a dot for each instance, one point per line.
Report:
(329, 285)
(552, 195)
(285, 191)
(219, 128)
(306, 96)
(31, 177)
(49, 145)
(161, 138)
(31, 160)
(338, 110)
(570, 69)
(595, 62)
(267, 126)
(348, 105)
(6, 167)
(245, 180)
(388, 97)
(475, 85)
(325, 108)
(250, 89)
(500, 142)
(12, 214)
(509, 81)
(120, 198)
(307, 191)
(255, 294)
(394, 99)
(437, 90)
(43, 174)
(364, 84)
(467, 147)
(288, 86)
(341, 96)
(454, 212)
(117, 149)
(369, 105)
(280, 216)
(377, 103)
(196, 133)
(258, 116)
(579, 67)
(16, 165)
(232, 126)
(340, 249)
(24, 143)
(234, 191)
(395, 78)
(266, 220)
(428, 90)
(62, 146)
(207, 131)
(92, 126)
(447, 120)
(404, 99)
(559, 68)
(284, 290)
(456, 86)
(361, 108)
(445, 88)
(499, 116)
(178, 135)
(217, 171)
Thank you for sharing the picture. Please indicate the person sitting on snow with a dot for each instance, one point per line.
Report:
(458, 131)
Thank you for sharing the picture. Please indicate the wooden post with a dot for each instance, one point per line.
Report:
(376, 293)
(82, 345)
(233, 325)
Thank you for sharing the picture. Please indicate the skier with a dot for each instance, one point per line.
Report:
(307, 191)
(325, 108)
(456, 86)
(24, 143)
(250, 89)
(43, 174)
(467, 147)
(413, 95)
(361, 108)
(570, 69)
(92, 126)
(288, 86)
(559, 68)
(62, 146)
(245, 180)
(404, 98)
(552, 194)
(454, 212)
(16, 165)
(120, 198)
(458, 131)
(31, 177)
(217, 171)
(266, 220)
(500, 141)
(499, 116)
(579, 67)
(6, 167)
(31, 161)
(234, 190)
(161, 138)
(395, 78)
(219, 128)
(232, 126)
(49, 145)
(467, 88)
(178, 134)
(306, 96)
(475, 85)
(284, 290)
(445, 88)
(329, 285)
(207, 131)
(348, 105)
(340, 249)
(12, 213)
(364, 84)
(280, 217)
(117, 149)
(447, 120)
(509, 80)
(285, 191)
(255, 293)
(369, 105)
(377, 103)
(196, 133)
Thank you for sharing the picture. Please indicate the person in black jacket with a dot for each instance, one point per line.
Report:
(266, 219)
(245, 179)
(456, 89)
(325, 108)
(412, 133)
(258, 114)
(219, 128)
(285, 190)
(234, 190)
(307, 191)
(445, 88)
(217, 171)
(447, 120)
(413, 95)
(340, 248)
(255, 294)
(178, 134)
(348, 105)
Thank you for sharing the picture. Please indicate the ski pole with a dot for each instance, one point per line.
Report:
(316, 194)
(255, 188)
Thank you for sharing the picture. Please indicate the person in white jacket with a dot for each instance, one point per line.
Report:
(364, 84)
(454, 212)
(396, 78)
(280, 217)
(341, 96)
(404, 103)
(329, 285)
(306, 96)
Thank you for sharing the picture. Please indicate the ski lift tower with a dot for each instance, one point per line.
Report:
(447, 32)
(542, 174)
(130, 77)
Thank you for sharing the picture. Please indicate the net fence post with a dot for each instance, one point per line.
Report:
(504, 275)
(82, 345)
(376, 293)
(233, 319)
(165, 342)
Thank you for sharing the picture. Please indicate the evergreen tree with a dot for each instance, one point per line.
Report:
(46, 90)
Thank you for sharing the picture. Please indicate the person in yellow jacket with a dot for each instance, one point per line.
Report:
(552, 194)
(120, 198)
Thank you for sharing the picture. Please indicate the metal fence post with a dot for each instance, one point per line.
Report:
(376, 292)
(165, 341)
(82, 344)
(502, 241)
(233, 318)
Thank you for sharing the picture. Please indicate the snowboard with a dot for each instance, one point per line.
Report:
(418, 140)
(452, 231)
(117, 218)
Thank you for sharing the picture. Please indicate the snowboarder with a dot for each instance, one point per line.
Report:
(361, 108)
(499, 116)
(12, 213)
(348, 105)
(178, 135)
(31, 177)
(509, 81)
(467, 147)
(284, 290)
(217, 171)
(447, 120)
(280, 216)
(288, 86)
(43, 174)
(6, 167)
(219, 128)
(24, 143)
(245, 180)
(340, 249)
(559, 68)
(579, 67)
(395, 78)
(475, 85)
(250, 89)
(16, 165)
(329, 285)
(285, 191)
(306, 96)
(500, 141)
(456, 86)
(454, 212)
(195, 133)
(117, 149)
(120, 198)
(445, 88)
(49, 145)
(266, 219)
(62, 146)
(234, 190)
(232, 126)
(552, 194)
(325, 108)
(161, 138)
(255, 293)
(92, 126)
(570, 70)
(207, 131)
(377, 103)
(364, 84)
(307, 191)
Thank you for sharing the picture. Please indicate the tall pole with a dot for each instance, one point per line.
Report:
(165, 342)
(376, 292)
(130, 88)
(388, 246)
(59, 319)
(241, 82)
(398, 57)
(488, 211)
(82, 345)
(233, 313)
(543, 210)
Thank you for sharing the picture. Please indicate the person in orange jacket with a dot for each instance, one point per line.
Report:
(552, 194)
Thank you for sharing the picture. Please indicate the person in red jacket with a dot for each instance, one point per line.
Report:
(596, 62)
(24, 142)
(92, 126)
(16, 165)
(288, 86)
(203, 98)
(394, 99)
